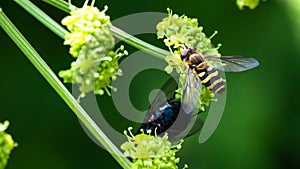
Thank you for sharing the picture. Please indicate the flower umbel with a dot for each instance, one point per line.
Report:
(151, 152)
(177, 32)
(6, 144)
(91, 44)
(248, 3)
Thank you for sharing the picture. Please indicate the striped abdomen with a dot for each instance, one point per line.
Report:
(211, 79)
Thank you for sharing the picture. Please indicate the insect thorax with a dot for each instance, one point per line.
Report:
(196, 58)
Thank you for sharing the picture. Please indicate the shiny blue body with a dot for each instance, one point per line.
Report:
(162, 118)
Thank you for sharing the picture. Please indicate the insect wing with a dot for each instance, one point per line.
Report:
(165, 94)
(191, 92)
(232, 63)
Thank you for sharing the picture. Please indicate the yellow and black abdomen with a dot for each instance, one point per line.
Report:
(211, 79)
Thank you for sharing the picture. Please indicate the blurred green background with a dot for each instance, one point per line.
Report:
(261, 123)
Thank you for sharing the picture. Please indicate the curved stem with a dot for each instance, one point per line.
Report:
(139, 44)
(63, 92)
(43, 18)
(118, 33)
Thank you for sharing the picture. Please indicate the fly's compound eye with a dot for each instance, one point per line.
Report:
(184, 53)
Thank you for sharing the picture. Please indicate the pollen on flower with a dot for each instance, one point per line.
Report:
(6, 144)
(91, 43)
(178, 32)
(147, 151)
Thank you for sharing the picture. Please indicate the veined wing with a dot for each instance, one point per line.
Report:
(191, 92)
(232, 63)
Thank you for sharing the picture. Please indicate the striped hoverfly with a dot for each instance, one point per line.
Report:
(202, 70)
(174, 116)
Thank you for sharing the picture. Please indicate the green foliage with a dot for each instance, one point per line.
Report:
(6, 144)
(248, 3)
(91, 44)
(177, 32)
(151, 152)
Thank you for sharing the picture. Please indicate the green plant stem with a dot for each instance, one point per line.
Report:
(131, 40)
(53, 80)
(43, 18)
(62, 5)
(139, 44)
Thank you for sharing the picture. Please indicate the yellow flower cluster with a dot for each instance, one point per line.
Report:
(6, 144)
(177, 32)
(91, 43)
(151, 152)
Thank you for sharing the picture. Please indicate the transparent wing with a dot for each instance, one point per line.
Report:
(166, 93)
(191, 92)
(232, 63)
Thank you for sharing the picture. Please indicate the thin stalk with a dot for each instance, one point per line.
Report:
(42, 17)
(139, 44)
(118, 33)
(62, 5)
(53, 80)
